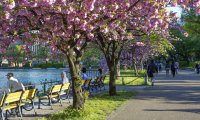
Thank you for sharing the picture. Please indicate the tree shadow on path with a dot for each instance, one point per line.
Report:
(179, 110)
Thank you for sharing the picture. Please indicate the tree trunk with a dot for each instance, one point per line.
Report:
(112, 82)
(78, 97)
(118, 71)
(142, 65)
(135, 68)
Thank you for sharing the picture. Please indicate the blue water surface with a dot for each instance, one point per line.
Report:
(31, 76)
(37, 76)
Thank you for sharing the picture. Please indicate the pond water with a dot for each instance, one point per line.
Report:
(36, 76)
(33, 76)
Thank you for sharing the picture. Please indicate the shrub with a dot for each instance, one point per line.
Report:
(184, 64)
(48, 65)
(27, 65)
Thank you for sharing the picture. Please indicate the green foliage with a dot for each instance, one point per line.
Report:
(159, 44)
(188, 45)
(27, 65)
(96, 108)
(43, 53)
(86, 94)
(192, 23)
(48, 65)
(185, 46)
(16, 52)
(92, 55)
(185, 64)
(131, 72)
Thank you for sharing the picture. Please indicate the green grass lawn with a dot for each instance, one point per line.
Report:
(96, 108)
(133, 80)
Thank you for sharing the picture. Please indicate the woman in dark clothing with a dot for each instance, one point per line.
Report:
(167, 68)
(152, 68)
(197, 66)
(173, 69)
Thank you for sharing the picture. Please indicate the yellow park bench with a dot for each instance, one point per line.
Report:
(98, 83)
(53, 92)
(11, 101)
(1, 105)
(101, 83)
(65, 91)
(17, 100)
(86, 84)
(94, 84)
(27, 100)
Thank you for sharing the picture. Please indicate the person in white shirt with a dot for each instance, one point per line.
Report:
(177, 67)
(13, 84)
(64, 78)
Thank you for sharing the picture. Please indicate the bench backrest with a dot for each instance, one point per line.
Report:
(65, 86)
(13, 97)
(56, 88)
(103, 78)
(98, 79)
(29, 94)
(2, 99)
(82, 82)
(87, 82)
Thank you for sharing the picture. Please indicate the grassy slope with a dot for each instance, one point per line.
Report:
(96, 108)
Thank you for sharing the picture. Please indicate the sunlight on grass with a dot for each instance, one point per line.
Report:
(128, 81)
(133, 80)
(96, 108)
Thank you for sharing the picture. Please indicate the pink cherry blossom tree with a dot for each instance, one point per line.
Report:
(139, 18)
(64, 25)
(69, 25)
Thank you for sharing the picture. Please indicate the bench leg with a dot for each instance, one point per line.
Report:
(50, 103)
(6, 115)
(33, 107)
(104, 86)
(20, 112)
(2, 116)
(67, 93)
(60, 100)
(68, 97)
(39, 103)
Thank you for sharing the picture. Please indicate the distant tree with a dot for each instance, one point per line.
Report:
(92, 55)
(16, 54)
(43, 53)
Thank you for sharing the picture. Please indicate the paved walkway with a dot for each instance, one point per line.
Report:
(170, 99)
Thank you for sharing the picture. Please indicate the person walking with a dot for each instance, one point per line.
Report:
(176, 67)
(151, 70)
(160, 67)
(173, 69)
(167, 68)
(197, 67)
